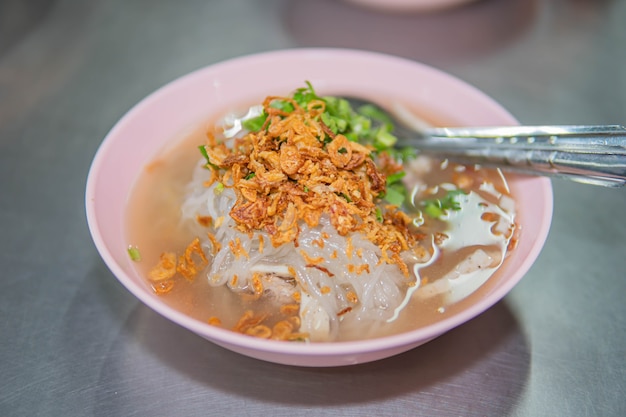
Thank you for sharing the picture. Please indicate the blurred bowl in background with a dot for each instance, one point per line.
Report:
(399, 6)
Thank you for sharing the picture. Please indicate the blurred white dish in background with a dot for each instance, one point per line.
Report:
(397, 6)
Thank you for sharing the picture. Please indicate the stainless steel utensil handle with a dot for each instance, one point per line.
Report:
(591, 154)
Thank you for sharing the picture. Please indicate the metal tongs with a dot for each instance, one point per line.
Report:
(587, 154)
(591, 154)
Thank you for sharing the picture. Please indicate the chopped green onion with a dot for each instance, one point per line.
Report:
(305, 95)
(436, 208)
(329, 121)
(341, 124)
(379, 215)
(219, 188)
(433, 210)
(134, 254)
(255, 124)
(351, 136)
(360, 124)
(395, 196)
(285, 106)
(375, 113)
(394, 178)
(384, 139)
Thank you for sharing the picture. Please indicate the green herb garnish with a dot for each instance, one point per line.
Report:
(395, 178)
(282, 105)
(438, 207)
(305, 95)
(395, 195)
(134, 253)
(375, 113)
(396, 191)
(384, 140)
(256, 123)
(379, 215)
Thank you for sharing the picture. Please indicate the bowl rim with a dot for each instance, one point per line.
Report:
(397, 6)
(223, 336)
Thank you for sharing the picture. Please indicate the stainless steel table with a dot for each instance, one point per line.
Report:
(74, 342)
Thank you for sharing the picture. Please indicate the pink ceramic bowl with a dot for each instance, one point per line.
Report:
(191, 99)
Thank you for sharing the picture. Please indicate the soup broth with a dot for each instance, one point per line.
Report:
(464, 216)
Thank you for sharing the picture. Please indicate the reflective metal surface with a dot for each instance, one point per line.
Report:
(75, 343)
(588, 154)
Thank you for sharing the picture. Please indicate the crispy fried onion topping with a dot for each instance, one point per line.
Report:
(295, 169)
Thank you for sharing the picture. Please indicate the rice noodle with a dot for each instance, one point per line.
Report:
(380, 288)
